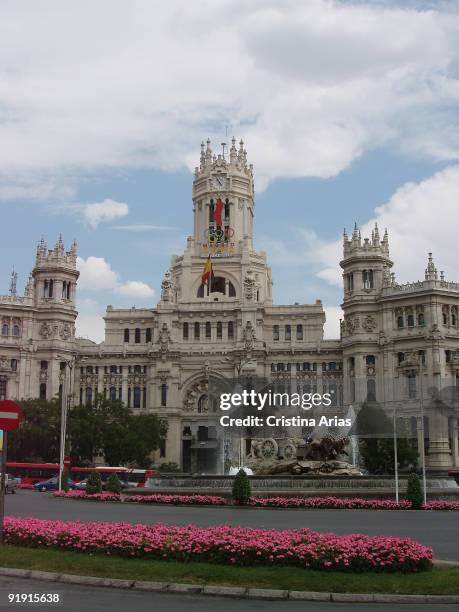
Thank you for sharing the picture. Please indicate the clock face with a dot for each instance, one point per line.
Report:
(219, 182)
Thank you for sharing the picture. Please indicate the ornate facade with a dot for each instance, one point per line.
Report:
(396, 340)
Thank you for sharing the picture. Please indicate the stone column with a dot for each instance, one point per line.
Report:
(439, 455)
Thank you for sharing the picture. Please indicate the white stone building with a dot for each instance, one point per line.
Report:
(396, 340)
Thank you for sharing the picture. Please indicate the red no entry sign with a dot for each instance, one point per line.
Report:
(10, 415)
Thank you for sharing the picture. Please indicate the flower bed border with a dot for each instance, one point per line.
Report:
(303, 503)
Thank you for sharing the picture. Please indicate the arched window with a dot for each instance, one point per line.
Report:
(410, 320)
(112, 394)
(370, 360)
(163, 395)
(219, 330)
(88, 395)
(275, 332)
(288, 332)
(137, 336)
(230, 330)
(185, 331)
(148, 335)
(126, 335)
(400, 321)
(137, 397)
(14, 365)
(371, 389)
(231, 290)
(421, 319)
(196, 331)
(5, 329)
(445, 318)
(16, 331)
(299, 332)
(454, 315)
(42, 391)
(367, 279)
(208, 330)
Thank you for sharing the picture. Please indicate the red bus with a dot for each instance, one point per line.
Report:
(30, 473)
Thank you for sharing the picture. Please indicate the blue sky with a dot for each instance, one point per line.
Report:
(346, 114)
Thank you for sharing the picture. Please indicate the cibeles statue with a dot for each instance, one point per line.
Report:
(289, 455)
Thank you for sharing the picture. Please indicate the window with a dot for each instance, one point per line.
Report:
(324, 367)
(211, 211)
(3, 382)
(129, 397)
(66, 290)
(412, 386)
(445, 318)
(400, 358)
(88, 395)
(370, 360)
(276, 332)
(448, 356)
(48, 289)
(231, 290)
(299, 332)
(298, 367)
(410, 320)
(422, 357)
(400, 321)
(144, 398)
(185, 331)
(420, 319)
(280, 367)
(230, 330)
(14, 365)
(367, 279)
(113, 369)
(332, 365)
(350, 281)
(453, 319)
(219, 330)
(5, 329)
(137, 335)
(288, 332)
(126, 335)
(227, 211)
(208, 330)
(16, 331)
(371, 389)
(137, 397)
(162, 449)
(148, 334)
(88, 369)
(306, 366)
(43, 365)
(42, 391)
(196, 331)
(112, 394)
(163, 395)
(137, 369)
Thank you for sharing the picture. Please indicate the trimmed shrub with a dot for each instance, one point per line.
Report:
(94, 483)
(113, 484)
(241, 488)
(414, 492)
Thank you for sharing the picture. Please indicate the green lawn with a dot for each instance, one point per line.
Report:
(435, 582)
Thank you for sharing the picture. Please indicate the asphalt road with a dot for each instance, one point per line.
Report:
(76, 598)
(440, 530)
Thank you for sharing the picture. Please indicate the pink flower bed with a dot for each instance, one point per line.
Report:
(224, 544)
(329, 502)
(200, 500)
(105, 496)
(441, 505)
(333, 503)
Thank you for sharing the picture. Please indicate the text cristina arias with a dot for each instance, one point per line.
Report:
(253, 399)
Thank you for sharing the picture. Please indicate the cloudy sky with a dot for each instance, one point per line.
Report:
(349, 112)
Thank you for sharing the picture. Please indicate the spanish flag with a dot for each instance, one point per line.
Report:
(208, 272)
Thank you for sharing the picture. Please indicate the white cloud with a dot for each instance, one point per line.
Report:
(421, 217)
(101, 212)
(310, 85)
(135, 289)
(96, 274)
(333, 315)
(141, 228)
(90, 323)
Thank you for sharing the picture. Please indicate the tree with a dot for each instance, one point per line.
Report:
(108, 428)
(241, 488)
(113, 484)
(93, 483)
(414, 492)
(378, 454)
(37, 437)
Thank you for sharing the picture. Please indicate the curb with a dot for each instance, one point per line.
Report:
(227, 591)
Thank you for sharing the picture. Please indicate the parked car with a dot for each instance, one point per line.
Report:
(51, 484)
(11, 483)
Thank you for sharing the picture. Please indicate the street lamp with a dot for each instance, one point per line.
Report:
(65, 401)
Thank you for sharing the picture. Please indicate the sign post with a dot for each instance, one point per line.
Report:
(10, 417)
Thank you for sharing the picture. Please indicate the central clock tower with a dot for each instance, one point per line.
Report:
(223, 202)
